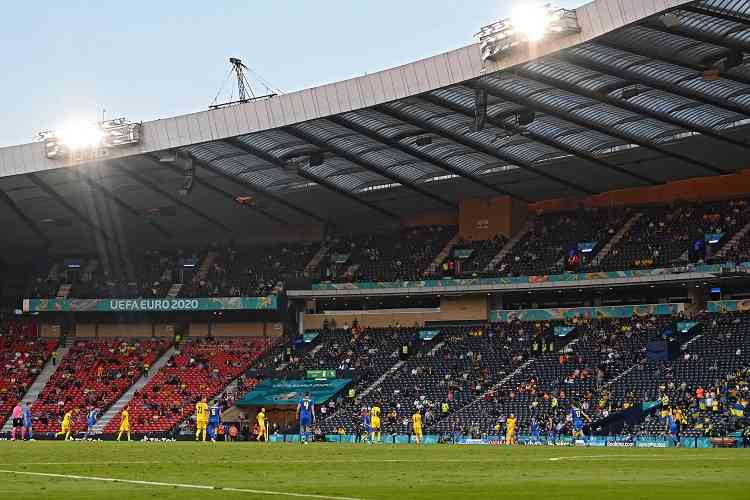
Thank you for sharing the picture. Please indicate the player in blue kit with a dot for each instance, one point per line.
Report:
(575, 416)
(366, 426)
(214, 420)
(535, 431)
(673, 426)
(91, 418)
(306, 417)
(28, 422)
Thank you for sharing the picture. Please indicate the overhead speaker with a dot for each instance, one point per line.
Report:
(734, 58)
(480, 108)
(526, 117)
(317, 159)
(189, 177)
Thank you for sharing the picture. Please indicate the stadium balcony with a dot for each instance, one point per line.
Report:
(22, 356)
(93, 374)
(201, 368)
(472, 258)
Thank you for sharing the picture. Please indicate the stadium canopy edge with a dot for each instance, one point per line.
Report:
(596, 19)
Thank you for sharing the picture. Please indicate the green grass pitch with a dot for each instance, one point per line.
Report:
(184, 470)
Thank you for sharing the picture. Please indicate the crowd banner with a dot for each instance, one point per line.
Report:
(566, 313)
(152, 305)
(545, 278)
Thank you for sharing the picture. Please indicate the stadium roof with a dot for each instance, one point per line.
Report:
(627, 102)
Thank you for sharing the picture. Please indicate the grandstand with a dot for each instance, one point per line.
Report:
(537, 228)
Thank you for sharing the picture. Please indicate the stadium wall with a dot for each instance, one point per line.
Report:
(145, 330)
(699, 189)
(459, 308)
(484, 219)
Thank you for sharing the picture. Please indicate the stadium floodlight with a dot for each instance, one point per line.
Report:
(531, 22)
(90, 139)
(80, 135)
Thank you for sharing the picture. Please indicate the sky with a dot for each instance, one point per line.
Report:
(68, 60)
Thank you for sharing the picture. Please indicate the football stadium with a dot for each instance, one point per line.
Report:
(549, 298)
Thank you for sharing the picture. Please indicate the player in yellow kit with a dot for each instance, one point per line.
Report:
(510, 430)
(66, 426)
(375, 423)
(262, 425)
(201, 418)
(124, 423)
(416, 423)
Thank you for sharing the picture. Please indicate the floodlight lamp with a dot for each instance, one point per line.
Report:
(531, 20)
(80, 135)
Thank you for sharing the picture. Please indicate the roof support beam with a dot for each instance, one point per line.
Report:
(552, 142)
(217, 190)
(68, 206)
(651, 82)
(625, 104)
(719, 40)
(142, 180)
(343, 122)
(257, 189)
(552, 111)
(719, 15)
(263, 155)
(346, 194)
(368, 166)
(99, 188)
(675, 62)
(495, 153)
(5, 198)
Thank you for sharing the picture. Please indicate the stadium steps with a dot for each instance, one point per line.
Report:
(208, 261)
(317, 258)
(733, 242)
(380, 379)
(40, 382)
(497, 386)
(509, 247)
(174, 290)
(121, 403)
(444, 253)
(615, 239)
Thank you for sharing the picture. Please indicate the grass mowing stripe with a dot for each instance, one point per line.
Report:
(175, 485)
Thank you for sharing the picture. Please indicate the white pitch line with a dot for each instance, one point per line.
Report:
(635, 458)
(177, 485)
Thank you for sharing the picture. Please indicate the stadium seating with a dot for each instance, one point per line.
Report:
(94, 373)
(544, 248)
(201, 368)
(453, 369)
(663, 236)
(403, 255)
(481, 254)
(252, 271)
(22, 356)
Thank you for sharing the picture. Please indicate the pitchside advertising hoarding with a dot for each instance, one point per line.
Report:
(151, 305)
(290, 392)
